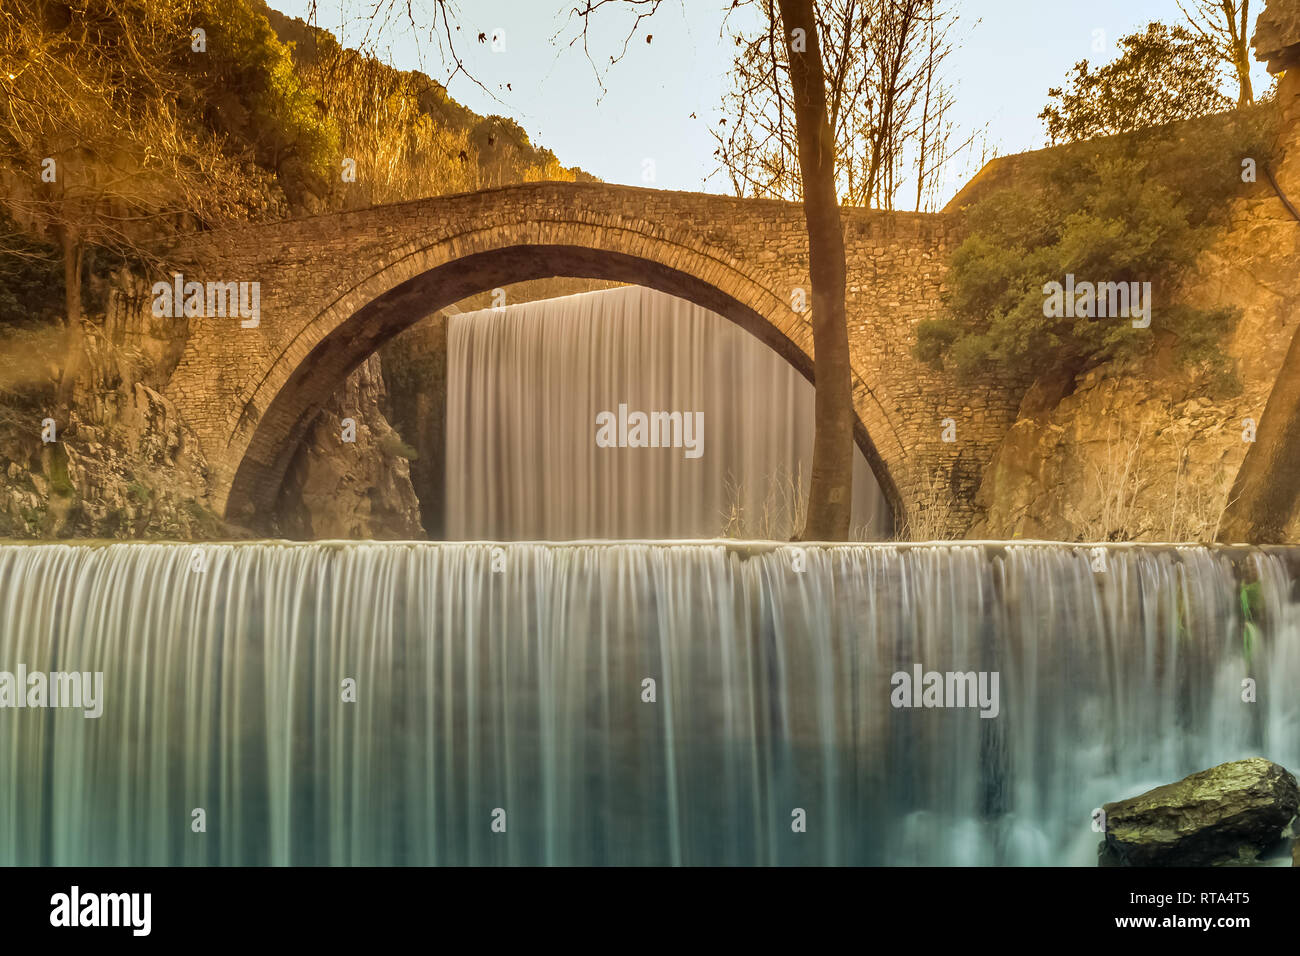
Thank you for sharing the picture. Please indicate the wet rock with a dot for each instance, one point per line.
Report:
(1227, 814)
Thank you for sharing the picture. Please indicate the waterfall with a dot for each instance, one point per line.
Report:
(508, 685)
(525, 384)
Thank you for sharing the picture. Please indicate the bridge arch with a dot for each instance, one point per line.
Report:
(337, 287)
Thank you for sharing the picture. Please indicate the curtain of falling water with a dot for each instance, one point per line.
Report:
(522, 689)
(525, 385)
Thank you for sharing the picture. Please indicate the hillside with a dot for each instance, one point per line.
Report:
(497, 145)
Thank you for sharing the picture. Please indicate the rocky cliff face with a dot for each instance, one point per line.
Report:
(336, 488)
(415, 402)
(1150, 453)
(1265, 500)
(140, 476)
(1123, 458)
(123, 463)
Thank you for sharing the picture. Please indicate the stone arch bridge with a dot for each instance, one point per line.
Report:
(335, 287)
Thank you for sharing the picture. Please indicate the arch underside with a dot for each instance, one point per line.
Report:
(276, 435)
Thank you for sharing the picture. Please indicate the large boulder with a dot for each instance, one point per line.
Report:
(1226, 814)
(1277, 35)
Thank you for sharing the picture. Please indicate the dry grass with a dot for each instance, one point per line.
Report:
(930, 515)
(778, 514)
(1140, 502)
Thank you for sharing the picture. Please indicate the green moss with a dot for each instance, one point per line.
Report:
(57, 471)
(393, 446)
(1251, 605)
(139, 492)
(200, 522)
(33, 519)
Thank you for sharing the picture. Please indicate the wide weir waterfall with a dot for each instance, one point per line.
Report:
(526, 460)
(358, 703)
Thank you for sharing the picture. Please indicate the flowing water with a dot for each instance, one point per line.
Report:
(525, 386)
(507, 685)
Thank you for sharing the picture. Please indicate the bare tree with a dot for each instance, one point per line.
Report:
(1226, 25)
(828, 514)
(436, 22)
(831, 485)
(887, 101)
(934, 136)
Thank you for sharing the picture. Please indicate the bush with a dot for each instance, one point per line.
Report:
(1138, 208)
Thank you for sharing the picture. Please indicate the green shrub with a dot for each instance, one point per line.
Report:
(1138, 208)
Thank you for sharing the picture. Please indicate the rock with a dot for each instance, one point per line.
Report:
(151, 426)
(354, 490)
(414, 366)
(1226, 814)
(1277, 35)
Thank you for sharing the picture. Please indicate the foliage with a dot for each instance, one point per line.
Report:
(1139, 208)
(146, 132)
(1164, 74)
(31, 279)
(118, 121)
(549, 171)
(409, 138)
(401, 152)
(248, 90)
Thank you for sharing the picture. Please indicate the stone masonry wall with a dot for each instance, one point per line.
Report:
(335, 287)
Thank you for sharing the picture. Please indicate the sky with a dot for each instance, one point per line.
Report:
(650, 114)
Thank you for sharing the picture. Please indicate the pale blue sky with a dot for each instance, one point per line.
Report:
(1002, 71)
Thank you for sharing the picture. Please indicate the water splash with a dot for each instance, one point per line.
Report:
(522, 690)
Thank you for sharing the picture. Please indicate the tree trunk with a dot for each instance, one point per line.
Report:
(1247, 95)
(830, 490)
(1241, 54)
(1266, 491)
(74, 335)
